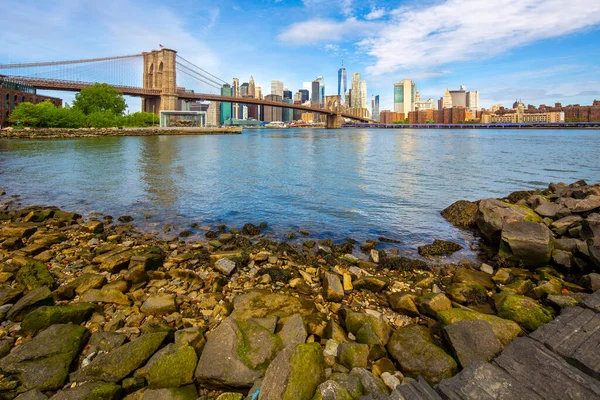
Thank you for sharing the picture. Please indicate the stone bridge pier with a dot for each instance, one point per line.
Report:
(333, 103)
(334, 121)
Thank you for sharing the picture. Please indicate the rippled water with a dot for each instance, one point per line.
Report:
(340, 183)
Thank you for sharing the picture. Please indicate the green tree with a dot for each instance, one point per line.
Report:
(98, 98)
(24, 113)
(103, 119)
(140, 119)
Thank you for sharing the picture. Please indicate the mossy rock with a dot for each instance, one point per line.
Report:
(504, 329)
(34, 275)
(439, 248)
(525, 311)
(248, 351)
(354, 355)
(172, 366)
(45, 316)
(356, 320)
(332, 390)
(461, 214)
(90, 391)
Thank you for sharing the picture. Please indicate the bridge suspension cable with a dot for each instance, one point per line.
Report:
(52, 63)
(196, 75)
(201, 69)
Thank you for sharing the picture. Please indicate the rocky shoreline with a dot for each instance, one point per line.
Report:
(92, 309)
(62, 133)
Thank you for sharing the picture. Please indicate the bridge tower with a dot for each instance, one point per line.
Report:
(159, 73)
(333, 103)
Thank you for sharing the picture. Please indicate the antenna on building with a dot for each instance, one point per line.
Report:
(342, 61)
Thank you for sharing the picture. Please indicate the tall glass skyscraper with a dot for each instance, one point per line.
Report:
(322, 88)
(342, 82)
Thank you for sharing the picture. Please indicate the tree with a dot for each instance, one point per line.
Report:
(99, 98)
(102, 119)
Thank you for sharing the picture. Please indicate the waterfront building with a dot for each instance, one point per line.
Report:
(404, 96)
(459, 97)
(244, 89)
(388, 117)
(446, 100)
(520, 117)
(473, 100)
(425, 105)
(14, 92)
(273, 114)
(316, 92)
(342, 82)
(375, 112)
(355, 91)
(277, 88)
(322, 91)
(309, 118)
(235, 90)
(259, 93)
(305, 95)
(363, 94)
(287, 94)
(226, 107)
(298, 97)
(348, 97)
(287, 114)
(251, 88)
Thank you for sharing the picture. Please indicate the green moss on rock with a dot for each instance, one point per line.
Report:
(307, 373)
(504, 329)
(525, 311)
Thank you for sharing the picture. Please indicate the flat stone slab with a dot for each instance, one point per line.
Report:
(592, 301)
(483, 381)
(547, 374)
(417, 389)
(575, 335)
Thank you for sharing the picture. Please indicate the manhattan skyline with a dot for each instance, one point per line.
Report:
(542, 53)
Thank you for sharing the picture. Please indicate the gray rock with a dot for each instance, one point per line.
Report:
(331, 390)
(486, 382)
(32, 300)
(373, 283)
(349, 382)
(581, 205)
(592, 281)
(90, 391)
(260, 304)
(236, 354)
(184, 393)
(594, 250)
(552, 210)
(527, 242)
(293, 331)
(116, 365)
(192, 336)
(295, 373)
(488, 269)
(353, 355)
(225, 266)
(414, 389)
(591, 227)
(105, 296)
(493, 213)
(404, 304)
(472, 341)
(372, 385)
(159, 304)
(45, 316)
(43, 362)
(32, 395)
(106, 341)
(561, 226)
(332, 288)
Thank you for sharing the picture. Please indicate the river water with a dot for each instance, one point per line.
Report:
(355, 183)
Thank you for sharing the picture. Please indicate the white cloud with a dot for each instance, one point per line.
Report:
(376, 13)
(454, 30)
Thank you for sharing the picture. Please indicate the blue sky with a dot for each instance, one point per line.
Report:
(542, 51)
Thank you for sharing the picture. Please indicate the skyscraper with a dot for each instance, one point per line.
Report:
(277, 88)
(342, 83)
(404, 96)
(459, 97)
(308, 86)
(258, 93)
(322, 90)
(316, 92)
(251, 88)
(363, 94)
(447, 100)
(473, 100)
(355, 94)
(305, 95)
(287, 94)
(226, 108)
(375, 114)
(244, 89)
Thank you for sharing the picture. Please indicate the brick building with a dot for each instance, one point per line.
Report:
(387, 116)
(454, 115)
(13, 93)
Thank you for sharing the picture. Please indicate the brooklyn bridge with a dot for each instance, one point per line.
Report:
(158, 85)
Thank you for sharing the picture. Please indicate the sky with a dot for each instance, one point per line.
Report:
(540, 51)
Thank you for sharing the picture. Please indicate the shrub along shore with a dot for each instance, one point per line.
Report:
(61, 133)
(93, 309)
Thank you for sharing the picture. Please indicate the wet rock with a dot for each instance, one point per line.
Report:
(461, 214)
(332, 288)
(171, 367)
(472, 340)
(225, 266)
(93, 227)
(90, 391)
(527, 243)
(250, 230)
(43, 362)
(79, 286)
(34, 275)
(504, 329)
(45, 316)
(159, 304)
(295, 373)
(373, 283)
(467, 294)
(114, 260)
(18, 230)
(433, 303)
(404, 304)
(236, 354)
(439, 248)
(116, 365)
(259, 304)
(523, 310)
(32, 300)
(105, 296)
(413, 348)
(473, 278)
(492, 214)
(353, 355)
(125, 218)
(402, 264)
(331, 390)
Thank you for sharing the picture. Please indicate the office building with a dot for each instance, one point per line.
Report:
(305, 95)
(473, 100)
(258, 93)
(277, 88)
(459, 97)
(287, 94)
(375, 108)
(363, 94)
(446, 100)
(226, 107)
(404, 96)
(322, 90)
(273, 114)
(389, 117)
(342, 82)
(355, 91)
(251, 88)
(244, 89)
(315, 99)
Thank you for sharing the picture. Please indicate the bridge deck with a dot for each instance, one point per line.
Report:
(560, 360)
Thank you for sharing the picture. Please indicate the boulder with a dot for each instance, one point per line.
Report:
(79, 285)
(353, 355)
(594, 250)
(114, 260)
(591, 227)
(355, 321)
(105, 296)
(552, 210)
(171, 367)
(492, 214)
(293, 331)
(45, 316)
(413, 348)
(32, 300)
(236, 354)
(439, 248)
(225, 266)
(404, 304)
(373, 283)
(90, 391)
(331, 390)
(32, 395)
(332, 288)
(183, 393)
(34, 275)
(590, 203)
(295, 373)
(433, 303)
(159, 304)
(461, 214)
(372, 386)
(504, 329)
(259, 304)
(472, 277)
(349, 382)
(191, 336)
(524, 310)
(116, 365)
(528, 243)
(561, 226)
(18, 230)
(472, 340)
(43, 363)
